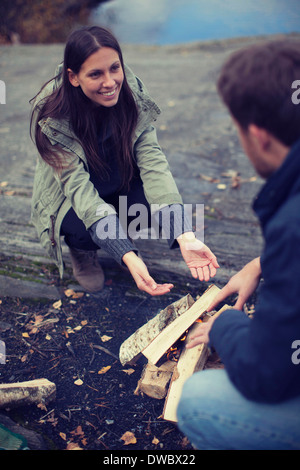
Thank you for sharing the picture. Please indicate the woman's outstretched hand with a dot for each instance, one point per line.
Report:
(142, 278)
(199, 258)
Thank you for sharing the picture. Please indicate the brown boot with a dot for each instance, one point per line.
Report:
(87, 270)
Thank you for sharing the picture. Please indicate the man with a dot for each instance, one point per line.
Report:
(254, 402)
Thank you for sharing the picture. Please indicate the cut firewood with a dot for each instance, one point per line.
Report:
(131, 349)
(154, 380)
(190, 361)
(171, 333)
(27, 393)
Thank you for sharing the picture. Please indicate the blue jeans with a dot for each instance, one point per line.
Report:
(215, 416)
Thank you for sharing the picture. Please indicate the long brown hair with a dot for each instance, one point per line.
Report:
(69, 102)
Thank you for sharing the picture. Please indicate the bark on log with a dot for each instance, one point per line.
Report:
(131, 349)
(162, 342)
(27, 393)
(154, 380)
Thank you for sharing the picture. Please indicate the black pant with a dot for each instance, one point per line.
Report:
(73, 229)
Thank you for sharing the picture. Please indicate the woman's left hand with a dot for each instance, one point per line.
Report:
(199, 258)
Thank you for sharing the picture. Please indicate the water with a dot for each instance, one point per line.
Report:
(162, 22)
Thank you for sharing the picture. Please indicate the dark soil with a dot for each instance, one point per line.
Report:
(56, 342)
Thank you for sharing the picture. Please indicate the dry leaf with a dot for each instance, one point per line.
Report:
(63, 436)
(128, 371)
(104, 370)
(25, 335)
(155, 441)
(73, 446)
(78, 431)
(69, 292)
(128, 438)
(57, 304)
(77, 295)
(42, 406)
(171, 104)
(78, 382)
(84, 322)
(105, 338)
(77, 328)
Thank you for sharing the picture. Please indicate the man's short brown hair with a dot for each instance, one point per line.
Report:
(256, 85)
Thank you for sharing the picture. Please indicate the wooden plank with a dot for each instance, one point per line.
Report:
(131, 348)
(169, 335)
(190, 361)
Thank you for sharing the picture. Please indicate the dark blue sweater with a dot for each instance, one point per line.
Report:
(259, 354)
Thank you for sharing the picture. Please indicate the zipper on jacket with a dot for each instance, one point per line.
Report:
(53, 242)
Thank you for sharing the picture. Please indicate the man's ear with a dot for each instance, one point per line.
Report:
(72, 78)
(262, 137)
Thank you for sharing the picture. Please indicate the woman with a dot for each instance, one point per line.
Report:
(93, 128)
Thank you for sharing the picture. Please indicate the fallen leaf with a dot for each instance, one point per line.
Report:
(78, 382)
(57, 304)
(63, 436)
(104, 370)
(69, 292)
(105, 338)
(73, 446)
(128, 438)
(77, 328)
(77, 295)
(128, 371)
(41, 406)
(155, 441)
(211, 179)
(3, 184)
(25, 335)
(78, 431)
(84, 322)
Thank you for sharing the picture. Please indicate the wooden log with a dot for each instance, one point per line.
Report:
(169, 335)
(131, 349)
(27, 393)
(190, 361)
(154, 380)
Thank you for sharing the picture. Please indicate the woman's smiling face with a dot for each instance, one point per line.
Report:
(100, 77)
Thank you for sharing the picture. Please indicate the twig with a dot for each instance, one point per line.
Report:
(104, 350)
(34, 348)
